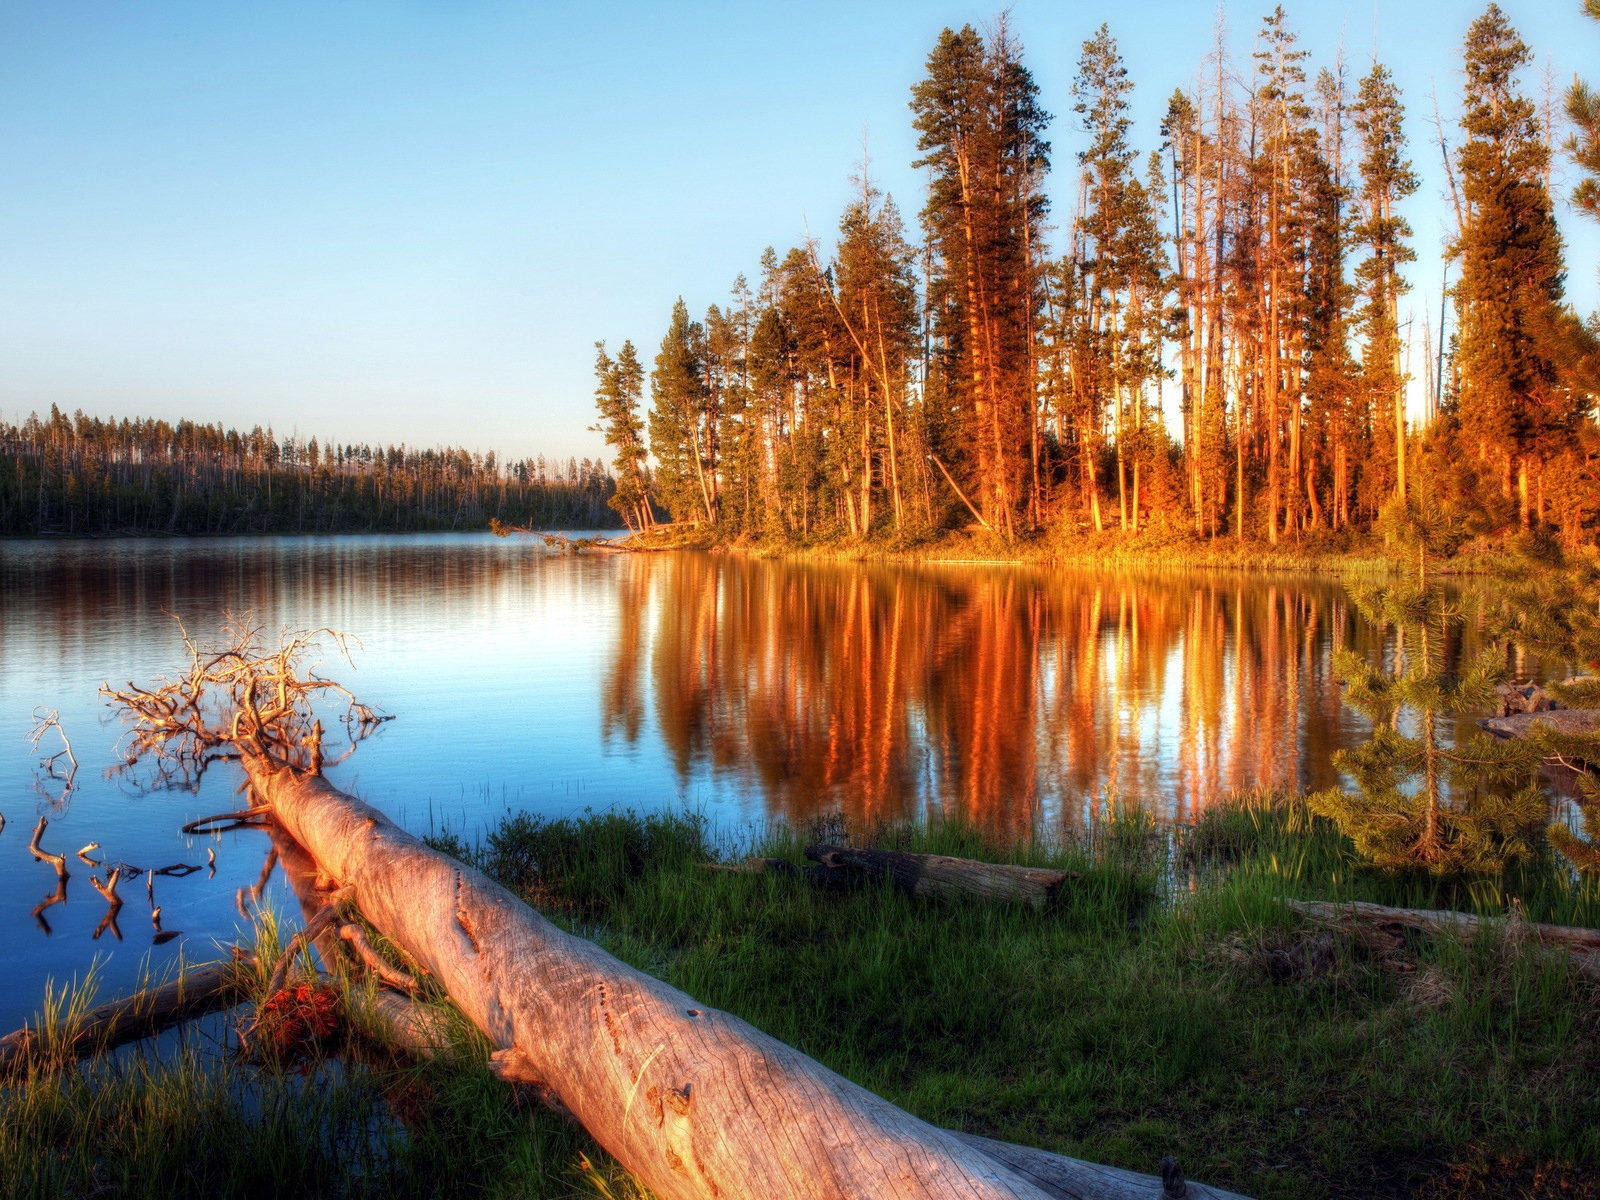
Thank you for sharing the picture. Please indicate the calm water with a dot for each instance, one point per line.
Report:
(1020, 699)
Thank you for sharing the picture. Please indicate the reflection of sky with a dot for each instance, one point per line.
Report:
(1016, 698)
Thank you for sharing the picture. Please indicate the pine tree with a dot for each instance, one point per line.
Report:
(1119, 268)
(618, 387)
(1513, 411)
(1386, 179)
(681, 430)
(1421, 801)
(980, 128)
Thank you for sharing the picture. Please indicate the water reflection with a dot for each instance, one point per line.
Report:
(1016, 699)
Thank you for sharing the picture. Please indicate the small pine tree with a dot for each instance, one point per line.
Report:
(1420, 802)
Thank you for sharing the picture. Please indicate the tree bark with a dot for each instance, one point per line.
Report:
(694, 1102)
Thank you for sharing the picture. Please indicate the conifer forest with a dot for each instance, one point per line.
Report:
(1209, 344)
(83, 475)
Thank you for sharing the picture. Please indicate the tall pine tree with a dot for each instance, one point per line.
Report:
(1514, 414)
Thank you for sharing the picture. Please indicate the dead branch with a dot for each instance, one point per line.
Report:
(1584, 944)
(58, 861)
(246, 818)
(240, 695)
(108, 889)
(940, 875)
(176, 870)
(389, 975)
(83, 855)
(321, 921)
(48, 719)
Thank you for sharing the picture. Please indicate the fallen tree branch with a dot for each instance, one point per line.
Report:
(940, 875)
(391, 976)
(197, 991)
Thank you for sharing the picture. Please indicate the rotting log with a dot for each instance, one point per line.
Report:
(940, 875)
(1583, 943)
(692, 1101)
(194, 993)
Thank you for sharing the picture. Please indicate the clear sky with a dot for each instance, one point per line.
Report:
(410, 221)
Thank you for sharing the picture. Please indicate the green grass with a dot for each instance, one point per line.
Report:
(1168, 1003)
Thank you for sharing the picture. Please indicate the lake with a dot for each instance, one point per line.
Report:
(1024, 700)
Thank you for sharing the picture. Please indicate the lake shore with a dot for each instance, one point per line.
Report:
(1155, 549)
(1167, 1003)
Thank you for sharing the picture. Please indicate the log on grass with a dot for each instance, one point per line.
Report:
(939, 875)
(692, 1101)
(1584, 943)
(194, 993)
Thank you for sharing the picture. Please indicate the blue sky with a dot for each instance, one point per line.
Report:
(410, 221)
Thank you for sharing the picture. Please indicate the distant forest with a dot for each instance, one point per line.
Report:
(81, 475)
(1239, 282)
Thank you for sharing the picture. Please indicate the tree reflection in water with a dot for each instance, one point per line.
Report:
(1014, 698)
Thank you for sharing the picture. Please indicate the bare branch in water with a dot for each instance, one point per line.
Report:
(239, 697)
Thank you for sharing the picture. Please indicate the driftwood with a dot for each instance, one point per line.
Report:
(1583, 943)
(197, 991)
(694, 1102)
(939, 875)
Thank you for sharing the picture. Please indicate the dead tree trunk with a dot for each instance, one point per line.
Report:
(694, 1102)
(939, 875)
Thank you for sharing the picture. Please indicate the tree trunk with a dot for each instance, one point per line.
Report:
(692, 1101)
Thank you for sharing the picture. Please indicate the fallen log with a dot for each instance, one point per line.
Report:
(694, 1102)
(1583, 943)
(939, 875)
(197, 991)
(1570, 722)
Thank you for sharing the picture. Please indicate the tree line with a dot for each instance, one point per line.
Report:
(83, 475)
(1239, 284)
